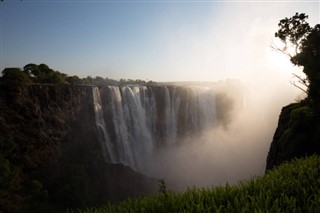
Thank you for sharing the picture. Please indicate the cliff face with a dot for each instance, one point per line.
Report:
(42, 117)
(50, 154)
(297, 134)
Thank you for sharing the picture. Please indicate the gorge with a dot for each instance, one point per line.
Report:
(82, 145)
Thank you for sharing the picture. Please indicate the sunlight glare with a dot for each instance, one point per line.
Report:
(278, 45)
(279, 60)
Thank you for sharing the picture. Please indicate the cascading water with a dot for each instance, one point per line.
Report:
(133, 138)
(103, 136)
(143, 119)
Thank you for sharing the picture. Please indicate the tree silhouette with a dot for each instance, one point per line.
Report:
(296, 32)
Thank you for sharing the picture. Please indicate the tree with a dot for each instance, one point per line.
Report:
(73, 80)
(296, 32)
(43, 74)
(15, 75)
(13, 83)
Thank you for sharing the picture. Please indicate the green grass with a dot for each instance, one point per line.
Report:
(291, 187)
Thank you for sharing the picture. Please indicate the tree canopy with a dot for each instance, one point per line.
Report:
(43, 74)
(297, 32)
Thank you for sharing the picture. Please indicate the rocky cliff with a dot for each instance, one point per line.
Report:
(297, 134)
(50, 155)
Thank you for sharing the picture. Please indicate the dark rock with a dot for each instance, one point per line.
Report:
(297, 134)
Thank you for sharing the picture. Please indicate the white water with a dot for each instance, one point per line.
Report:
(146, 119)
(107, 149)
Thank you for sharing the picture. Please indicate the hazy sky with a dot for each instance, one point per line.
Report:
(154, 40)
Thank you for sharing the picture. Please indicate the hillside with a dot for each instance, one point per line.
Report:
(292, 187)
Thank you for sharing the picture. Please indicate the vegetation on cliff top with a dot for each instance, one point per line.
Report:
(43, 74)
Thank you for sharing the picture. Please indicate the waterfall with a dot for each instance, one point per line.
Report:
(103, 136)
(132, 136)
(170, 117)
(142, 119)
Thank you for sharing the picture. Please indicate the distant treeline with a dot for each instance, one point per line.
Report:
(33, 73)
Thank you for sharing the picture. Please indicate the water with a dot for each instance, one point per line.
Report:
(143, 119)
(107, 148)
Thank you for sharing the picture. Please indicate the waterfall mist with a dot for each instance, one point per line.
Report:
(199, 135)
(228, 154)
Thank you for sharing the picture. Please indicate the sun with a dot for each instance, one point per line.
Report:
(279, 60)
(291, 50)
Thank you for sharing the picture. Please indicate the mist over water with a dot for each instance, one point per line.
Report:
(227, 154)
(192, 135)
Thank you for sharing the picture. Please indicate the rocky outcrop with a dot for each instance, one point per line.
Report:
(297, 134)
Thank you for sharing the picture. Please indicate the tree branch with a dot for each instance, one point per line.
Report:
(278, 49)
(302, 81)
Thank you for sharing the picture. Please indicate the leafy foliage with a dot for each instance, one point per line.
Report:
(292, 187)
(293, 30)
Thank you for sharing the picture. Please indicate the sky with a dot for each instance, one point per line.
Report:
(150, 40)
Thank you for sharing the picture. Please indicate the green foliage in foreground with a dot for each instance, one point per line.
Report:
(291, 187)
